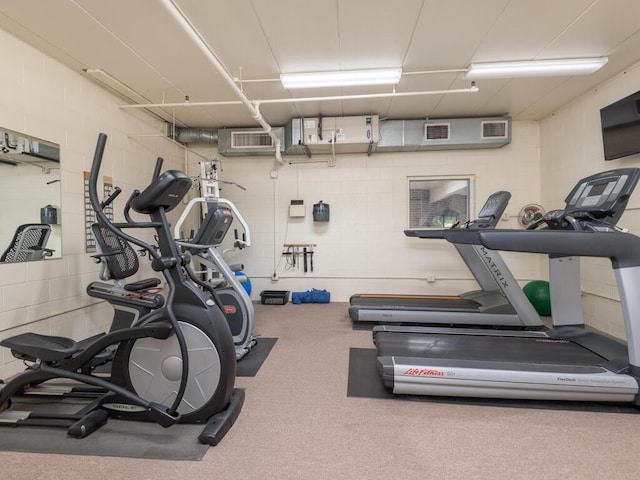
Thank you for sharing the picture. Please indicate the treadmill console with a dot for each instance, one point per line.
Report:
(488, 217)
(491, 211)
(595, 203)
(603, 196)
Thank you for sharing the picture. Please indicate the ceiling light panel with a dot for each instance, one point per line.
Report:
(535, 68)
(344, 78)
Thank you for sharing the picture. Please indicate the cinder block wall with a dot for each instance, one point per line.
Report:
(42, 98)
(363, 248)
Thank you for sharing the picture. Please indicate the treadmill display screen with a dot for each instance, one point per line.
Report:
(603, 195)
(495, 205)
(598, 189)
(597, 194)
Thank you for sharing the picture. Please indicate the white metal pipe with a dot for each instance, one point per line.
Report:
(471, 89)
(193, 33)
(416, 72)
(434, 72)
(183, 104)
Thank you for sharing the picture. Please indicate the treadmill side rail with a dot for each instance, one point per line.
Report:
(415, 376)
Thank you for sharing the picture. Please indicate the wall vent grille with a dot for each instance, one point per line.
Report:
(251, 140)
(495, 129)
(437, 131)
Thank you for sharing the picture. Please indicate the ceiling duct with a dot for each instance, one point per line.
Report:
(444, 134)
(198, 136)
(355, 134)
(231, 142)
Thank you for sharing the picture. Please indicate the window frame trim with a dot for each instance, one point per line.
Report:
(470, 178)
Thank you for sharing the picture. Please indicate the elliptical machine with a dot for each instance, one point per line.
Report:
(174, 364)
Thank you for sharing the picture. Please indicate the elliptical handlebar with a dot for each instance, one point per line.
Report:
(109, 200)
(127, 207)
(98, 206)
(93, 178)
(158, 167)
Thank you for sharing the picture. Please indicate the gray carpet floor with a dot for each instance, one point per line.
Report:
(299, 423)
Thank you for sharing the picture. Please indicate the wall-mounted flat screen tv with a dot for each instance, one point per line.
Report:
(621, 127)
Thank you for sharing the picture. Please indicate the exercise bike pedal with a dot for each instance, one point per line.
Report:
(88, 424)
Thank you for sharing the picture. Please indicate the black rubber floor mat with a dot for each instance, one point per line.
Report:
(365, 382)
(118, 438)
(250, 364)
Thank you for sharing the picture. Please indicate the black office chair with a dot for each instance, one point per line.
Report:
(29, 244)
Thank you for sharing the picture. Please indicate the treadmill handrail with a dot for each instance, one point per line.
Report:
(488, 217)
(425, 233)
(622, 248)
(441, 233)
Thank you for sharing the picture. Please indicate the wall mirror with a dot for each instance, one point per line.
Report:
(30, 195)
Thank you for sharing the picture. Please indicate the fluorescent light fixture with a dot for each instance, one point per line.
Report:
(345, 78)
(535, 68)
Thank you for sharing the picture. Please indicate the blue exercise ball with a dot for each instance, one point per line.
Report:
(247, 283)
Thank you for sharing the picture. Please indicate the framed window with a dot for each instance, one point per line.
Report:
(439, 202)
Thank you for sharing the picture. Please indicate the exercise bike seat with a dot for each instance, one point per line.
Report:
(33, 346)
(142, 284)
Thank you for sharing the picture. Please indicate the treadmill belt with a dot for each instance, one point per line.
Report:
(482, 348)
(416, 303)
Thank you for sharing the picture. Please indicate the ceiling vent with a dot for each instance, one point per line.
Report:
(495, 129)
(436, 131)
(242, 142)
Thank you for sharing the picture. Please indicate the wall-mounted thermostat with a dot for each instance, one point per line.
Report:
(296, 209)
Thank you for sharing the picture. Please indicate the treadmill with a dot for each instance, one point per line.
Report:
(499, 301)
(564, 363)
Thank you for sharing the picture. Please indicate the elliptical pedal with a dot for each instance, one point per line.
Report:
(88, 424)
(33, 346)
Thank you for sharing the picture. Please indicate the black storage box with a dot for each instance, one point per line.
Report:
(274, 297)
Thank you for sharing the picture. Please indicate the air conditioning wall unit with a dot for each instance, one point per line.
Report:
(243, 142)
(323, 135)
(444, 134)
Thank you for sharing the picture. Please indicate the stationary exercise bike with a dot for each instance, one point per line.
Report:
(174, 364)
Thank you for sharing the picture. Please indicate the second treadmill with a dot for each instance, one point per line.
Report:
(499, 301)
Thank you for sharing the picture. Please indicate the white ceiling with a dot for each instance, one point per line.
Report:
(139, 43)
